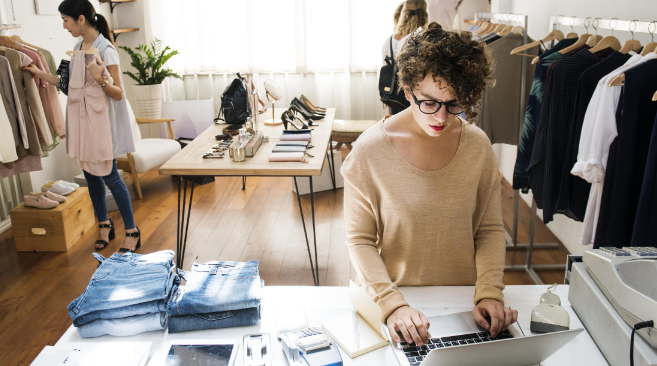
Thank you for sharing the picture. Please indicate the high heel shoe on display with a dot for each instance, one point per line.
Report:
(310, 104)
(314, 117)
(136, 234)
(307, 122)
(288, 118)
(309, 108)
(111, 235)
(297, 103)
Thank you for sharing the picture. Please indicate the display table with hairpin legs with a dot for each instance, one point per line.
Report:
(322, 303)
(189, 162)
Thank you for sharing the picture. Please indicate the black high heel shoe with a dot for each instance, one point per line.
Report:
(308, 117)
(134, 235)
(307, 122)
(111, 235)
(288, 118)
(306, 100)
(305, 109)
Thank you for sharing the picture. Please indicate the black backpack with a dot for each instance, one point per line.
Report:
(389, 84)
(235, 105)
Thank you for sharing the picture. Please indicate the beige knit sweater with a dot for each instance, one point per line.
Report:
(411, 227)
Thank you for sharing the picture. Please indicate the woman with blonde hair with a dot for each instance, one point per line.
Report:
(413, 16)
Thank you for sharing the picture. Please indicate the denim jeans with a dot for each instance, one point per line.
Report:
(223, 319)
(218, 286)
(119, 192)
(154, 306)
(125, 280)
(124, 327)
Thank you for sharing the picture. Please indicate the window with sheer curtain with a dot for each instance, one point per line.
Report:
(257, 36)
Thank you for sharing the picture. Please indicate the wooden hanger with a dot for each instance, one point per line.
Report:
(18, 39)
(8, 42)
(483, 29)
(594, 40)
(607, 42)
(506, 30)
(630, 45)
(92, 51)
(519, 30)
(555, 34)
(654, 97)
(572, 35)
(579, 43)
(618, 81)
(649, 47)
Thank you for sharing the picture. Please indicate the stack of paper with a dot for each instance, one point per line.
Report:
(95, 354)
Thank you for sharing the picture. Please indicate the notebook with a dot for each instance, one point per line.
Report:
(358, 331)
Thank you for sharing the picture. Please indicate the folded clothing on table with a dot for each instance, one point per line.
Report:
(127, 295)
(217, 295)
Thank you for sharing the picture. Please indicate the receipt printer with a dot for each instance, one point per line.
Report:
(310, 347)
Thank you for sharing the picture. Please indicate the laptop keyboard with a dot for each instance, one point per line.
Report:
(416, 355)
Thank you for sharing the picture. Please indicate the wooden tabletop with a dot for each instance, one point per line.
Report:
(189, 161)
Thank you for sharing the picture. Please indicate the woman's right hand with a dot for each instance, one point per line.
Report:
(412, 324)
(32, 68)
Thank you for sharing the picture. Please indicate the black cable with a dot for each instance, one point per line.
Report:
(636, 327)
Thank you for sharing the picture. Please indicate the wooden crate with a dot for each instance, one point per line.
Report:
(56, 229)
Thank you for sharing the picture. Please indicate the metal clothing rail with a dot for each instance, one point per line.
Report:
(6, 27)
(512, 240)
(633, 26)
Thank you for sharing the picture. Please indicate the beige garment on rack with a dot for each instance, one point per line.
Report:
(27, 103)
(7, 143)
(500, 110)
(89, 138)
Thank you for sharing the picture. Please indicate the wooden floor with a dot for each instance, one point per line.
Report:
(262, 223)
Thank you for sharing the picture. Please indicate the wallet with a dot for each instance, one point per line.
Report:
(292, 143)
(279, 148)
(296, 137)
(286, 156)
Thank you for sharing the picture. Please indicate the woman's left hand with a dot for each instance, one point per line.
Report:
(500, 316)
(96, 69)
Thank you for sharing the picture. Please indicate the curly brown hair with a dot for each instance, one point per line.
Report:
(464, 64)
(413, 16)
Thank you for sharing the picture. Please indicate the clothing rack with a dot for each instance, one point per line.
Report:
(5, 27)
(633, 26)
(512, 240)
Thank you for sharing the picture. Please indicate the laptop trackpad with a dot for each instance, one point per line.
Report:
(450, 324)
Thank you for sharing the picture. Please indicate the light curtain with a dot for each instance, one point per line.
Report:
(258, 36)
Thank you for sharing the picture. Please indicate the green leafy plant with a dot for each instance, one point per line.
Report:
(149, 65)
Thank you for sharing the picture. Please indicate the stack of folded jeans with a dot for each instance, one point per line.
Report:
(127, 295)
(217, 295)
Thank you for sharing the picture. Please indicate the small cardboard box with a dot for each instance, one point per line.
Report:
(56, 229)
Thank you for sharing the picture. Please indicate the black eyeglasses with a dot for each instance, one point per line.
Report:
(430, 106)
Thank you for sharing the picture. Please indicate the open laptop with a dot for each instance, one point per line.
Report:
(458, 340)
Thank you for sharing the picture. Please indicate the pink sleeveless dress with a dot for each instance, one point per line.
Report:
(89, 136)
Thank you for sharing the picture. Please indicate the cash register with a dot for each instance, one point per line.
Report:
(612, 290)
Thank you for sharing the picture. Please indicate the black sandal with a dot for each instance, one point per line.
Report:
(110, 237)
(134, 235)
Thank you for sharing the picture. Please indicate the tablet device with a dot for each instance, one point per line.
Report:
(200, 353)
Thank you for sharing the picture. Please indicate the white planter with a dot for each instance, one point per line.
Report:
(149, 100)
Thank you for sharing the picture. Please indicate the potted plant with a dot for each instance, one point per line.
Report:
(149, 76)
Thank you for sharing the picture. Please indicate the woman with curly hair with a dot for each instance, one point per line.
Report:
(409, 16)
(422, 189)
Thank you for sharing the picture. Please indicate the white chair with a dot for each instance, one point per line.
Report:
(149, 153)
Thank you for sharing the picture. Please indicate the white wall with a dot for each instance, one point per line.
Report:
(46, 31)
(539, 12)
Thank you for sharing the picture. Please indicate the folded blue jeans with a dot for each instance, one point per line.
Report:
(217, 287)
(125, 280)
(223, 319)
(124, 327)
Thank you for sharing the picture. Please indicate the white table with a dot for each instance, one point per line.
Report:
(325, 302)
